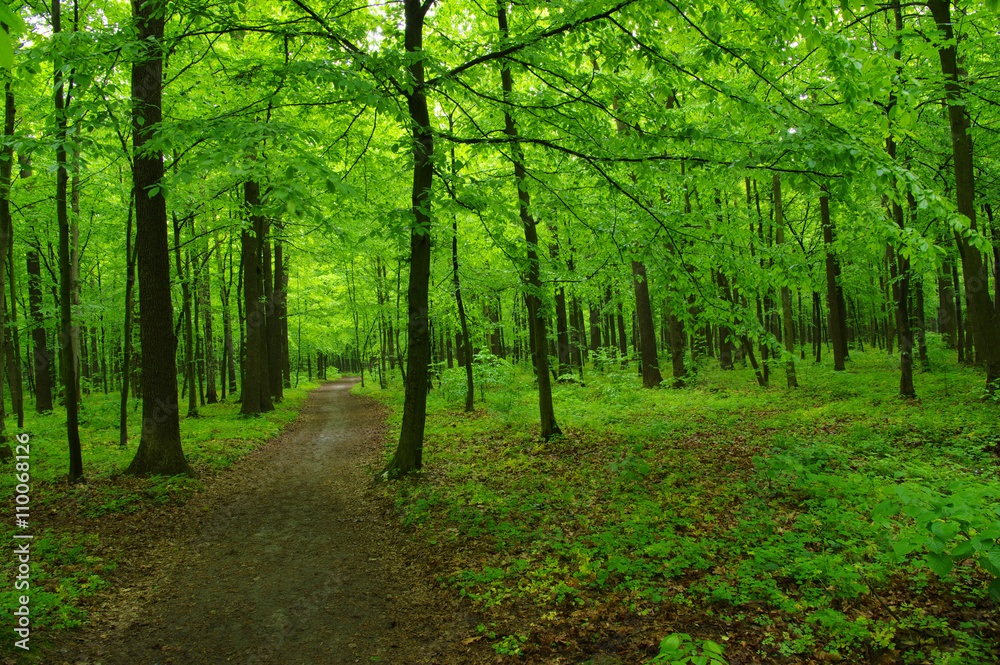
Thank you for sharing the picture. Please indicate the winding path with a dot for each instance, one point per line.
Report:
(287, 562)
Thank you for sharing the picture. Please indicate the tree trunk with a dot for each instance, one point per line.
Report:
(788, 325)
(833, 295)
(189, 369)
(982, 315)
(41, 356)
(256, 391)
(536, 317)
(272, 327)
(130, 257)
(463, 342)
(409, 450)
(160, 442)
(648, 360)
(68, 364)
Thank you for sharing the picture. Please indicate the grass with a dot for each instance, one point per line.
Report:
(835, 522)
(70, 560)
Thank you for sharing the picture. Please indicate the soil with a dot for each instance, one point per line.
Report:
(288, 558)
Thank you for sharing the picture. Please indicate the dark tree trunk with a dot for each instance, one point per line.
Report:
(130, 257)
(160, 442)
(189, 369)
(648, 360)
(982, 315)
(409, 451)
(41, 356)
(833, 295)
(677, 348)
(462, 342)
(788, 326)
(68, 364)
(536, 317)
(7, 224)
(205, 298)
(255, 393)
(272, 327)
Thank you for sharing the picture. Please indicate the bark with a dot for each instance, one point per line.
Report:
(205, 298)
(648, 360)
(68, 364)
(41, 356)
(463, 342)
(189, 369)
(788, 325)
(677, 348)
(833, 294)
(272, 327)
(130, 257)
(6, 223)
(256, 393)
(536, 317)
(159, 449)
(409, 450)
(982, 315)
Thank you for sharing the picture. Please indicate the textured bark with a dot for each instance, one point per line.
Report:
(41, 356)
(160, 442)
(256, 394)
(68, 364)
(648, 361)
(838, 337)
(130, 257)
(983, 319)
(677, 348)
(788, 325)
(409, 450)
(463, 342)
(536, 317)
(205, 298)
(6, 224)
(189, 360)
(272, 326)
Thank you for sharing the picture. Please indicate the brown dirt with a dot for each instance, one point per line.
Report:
(288, 558)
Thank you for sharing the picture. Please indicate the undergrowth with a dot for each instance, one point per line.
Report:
(832, 523)
(69, 560)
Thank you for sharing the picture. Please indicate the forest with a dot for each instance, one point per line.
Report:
(615, 331)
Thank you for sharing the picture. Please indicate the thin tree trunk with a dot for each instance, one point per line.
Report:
(130, 256)
(788, 326)
(839, 343)
(68, 364)
(536, 317)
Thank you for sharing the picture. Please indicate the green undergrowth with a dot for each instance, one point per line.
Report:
(78, 529)
(834, 522)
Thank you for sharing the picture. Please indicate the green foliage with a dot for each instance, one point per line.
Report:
(721, 499)
(958, 523)
(680, 649)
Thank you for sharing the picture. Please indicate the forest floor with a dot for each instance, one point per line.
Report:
(288, 557)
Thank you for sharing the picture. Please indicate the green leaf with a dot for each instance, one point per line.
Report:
(994, 589)
(939, 563)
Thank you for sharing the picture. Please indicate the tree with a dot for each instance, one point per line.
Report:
(159, 450)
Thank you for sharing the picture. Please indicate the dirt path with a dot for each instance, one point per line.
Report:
(286, 560)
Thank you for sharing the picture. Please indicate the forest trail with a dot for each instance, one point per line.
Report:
(285, 560)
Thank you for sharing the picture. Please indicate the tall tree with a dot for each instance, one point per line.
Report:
(68, 365)
(409, 451)
(983, 318)
(536, 316)
(159, 451)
